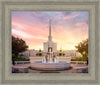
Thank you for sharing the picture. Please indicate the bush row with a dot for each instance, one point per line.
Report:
(80, 59)
(20, 59)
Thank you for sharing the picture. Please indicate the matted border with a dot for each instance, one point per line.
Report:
(41, 5)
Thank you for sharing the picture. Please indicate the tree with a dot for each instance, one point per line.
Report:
(18, 45)
(39, 50)
(82, 47)
(63, 54)
(60, 54)
(39, 54)
(13, 56)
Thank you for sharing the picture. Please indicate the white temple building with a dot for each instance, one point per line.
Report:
(50, 44)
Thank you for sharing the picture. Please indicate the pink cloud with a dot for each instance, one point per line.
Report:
(31, 30)
(70, 16)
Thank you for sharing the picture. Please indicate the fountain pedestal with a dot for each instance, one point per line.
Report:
(50, 66)
(64, 63)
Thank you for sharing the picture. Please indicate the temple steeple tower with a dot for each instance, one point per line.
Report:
(50, 46)
(50, 27)
(50, 37)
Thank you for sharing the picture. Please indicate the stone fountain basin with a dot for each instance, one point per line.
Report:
(50, 66)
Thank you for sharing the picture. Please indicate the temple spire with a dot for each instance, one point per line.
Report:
(49, 27)
(50, 38)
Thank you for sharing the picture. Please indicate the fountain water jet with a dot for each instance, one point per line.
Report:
(50, 58)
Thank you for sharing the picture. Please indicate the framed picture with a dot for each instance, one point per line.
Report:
(33, 45)
(49, 42)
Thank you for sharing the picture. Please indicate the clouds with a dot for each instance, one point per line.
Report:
(69, 15)
(68, 28)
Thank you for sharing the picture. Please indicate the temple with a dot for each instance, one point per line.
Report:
(50, 45)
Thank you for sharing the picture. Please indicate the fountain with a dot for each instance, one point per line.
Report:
(50, 62)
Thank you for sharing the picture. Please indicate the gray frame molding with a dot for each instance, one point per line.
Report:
(7, 6)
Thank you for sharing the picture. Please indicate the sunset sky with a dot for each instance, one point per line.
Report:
(68, 28)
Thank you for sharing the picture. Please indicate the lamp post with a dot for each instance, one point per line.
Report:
(83, 55)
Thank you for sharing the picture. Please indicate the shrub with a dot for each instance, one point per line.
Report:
(20, 59)
(80, 59)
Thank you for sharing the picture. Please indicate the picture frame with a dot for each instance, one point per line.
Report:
(7, 6)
